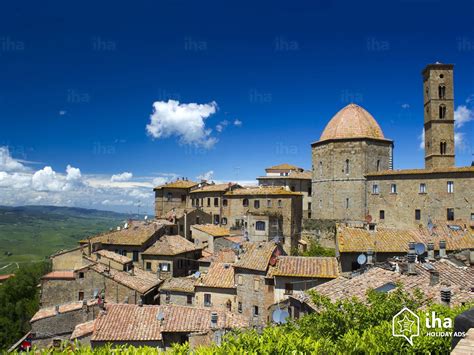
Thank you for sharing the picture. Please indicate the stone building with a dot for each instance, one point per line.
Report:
(353, 178)
(254, 288)
(205, 236)
(68, 259)
(161, 326)
(293, 178)
(172, 195)
(216, 288)
(178, 290)
(184, 218)
(171, 256)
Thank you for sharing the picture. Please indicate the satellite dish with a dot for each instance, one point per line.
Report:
(197, 274)
(276, 315)
(283, 317)
(420, 248)
(146, 217)
(160, 316)
(361, 259)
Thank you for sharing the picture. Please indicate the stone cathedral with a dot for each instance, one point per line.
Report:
(352, 167)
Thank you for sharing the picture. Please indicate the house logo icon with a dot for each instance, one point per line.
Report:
(406, 324)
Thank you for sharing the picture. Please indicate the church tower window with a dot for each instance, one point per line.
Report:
(346, 168)
(442, 111)
(442, 91)
(442, 148)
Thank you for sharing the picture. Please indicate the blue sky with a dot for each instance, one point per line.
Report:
(79, 81)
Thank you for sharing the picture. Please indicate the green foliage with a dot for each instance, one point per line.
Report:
(19, 300)
(314, 249)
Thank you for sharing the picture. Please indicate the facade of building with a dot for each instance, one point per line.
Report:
(172, 195)
(292, 178)
(353, 178)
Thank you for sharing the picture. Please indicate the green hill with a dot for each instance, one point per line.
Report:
(31, 233)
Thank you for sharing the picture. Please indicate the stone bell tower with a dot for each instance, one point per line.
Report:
(438, 96)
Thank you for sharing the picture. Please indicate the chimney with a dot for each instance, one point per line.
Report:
(411, 263)
(431, 255)
(411, 247)
(445, 296)
(214, 319)
(442, 248)
(434, 277)
(370, 257)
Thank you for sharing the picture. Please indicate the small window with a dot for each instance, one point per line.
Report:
(443, 148)
(239, 307)
(81, 275)
(135, 256)
(165, 267)
(240, 280)
(346, 167)
(375, 189)
(207, 300)
(442, 111)
(255, 311)
(269, 203)
(320, 203)
(245, 202)
(208, 202)
(292, 188)
(169, 196)
(198, 220)
(393, 188)
(183, 198)
(472, 216)
(224, 202)
(422, 188)
(288, 289)
(256, 285)
(450, 187)
(216, 219)
(193, 202)
(216, 202)
(260, 225)
(256, 204)
(347, 202)
(441, 91)
(382, 214)
(389, 286)
(81, 295)
(378, 165)
(228, 305)
(280, 204)
(181, 228)
(417, 215)
(148, 266)
(189, 299)
(450, 214)
(224, 221)
(320, 168)
(310, 190)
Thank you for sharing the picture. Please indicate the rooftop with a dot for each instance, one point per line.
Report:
(215, 188)
(296, 175)
(215, 231)
(121, 259)
(171, 245)
(83, 329)
(181, 284)
(137, 233)
(63, 308)
(465, 169)
(300, 266)
(178, 212)
(178, 184)
(59, 275)
(284, 166)
(219, 275)
(127, 322)
(391, 240)
(459, 279)
(225, 255)
(258, 256)
(352, 121)
(262, 190)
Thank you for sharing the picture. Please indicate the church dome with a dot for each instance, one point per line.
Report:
(352, 122)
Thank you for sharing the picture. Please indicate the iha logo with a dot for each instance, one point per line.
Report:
(406, 324)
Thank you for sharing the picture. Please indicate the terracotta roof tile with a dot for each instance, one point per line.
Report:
(300, 266)
(121, 259)
(219, 275)
(171, 245)
(465, 169)
(83, 329)
(215, 231)
(225, 255)
(182, 284)
(126, 322)
(262, 190)
(459, 279)
(284, 166)
(178, 184)
(257, 256)
(296, 175)
(136, 234)
(178, 212)
(63, 308)
(215, 188)
(387, 240)
(59, 275)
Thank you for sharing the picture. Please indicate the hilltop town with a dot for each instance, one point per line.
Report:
(221, 256)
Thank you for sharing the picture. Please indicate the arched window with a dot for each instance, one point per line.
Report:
(442, 111)
(346, 167)
(442, 148)
(260, 225)
(320, 168)
(245, 202)
(442, 91)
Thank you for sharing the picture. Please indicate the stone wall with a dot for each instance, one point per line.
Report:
(180, 265)
(163, 204)
(219, 298)
(298, 284)
(68, 260)
(177, 297)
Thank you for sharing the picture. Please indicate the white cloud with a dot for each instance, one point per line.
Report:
(460, 140)
(125, 176)
(421, 137)
(160, 181)
(462, 115)
(237, 122)
(405, 106)
(223, 124)
(7, 163)
(185, 121)
(206, 176)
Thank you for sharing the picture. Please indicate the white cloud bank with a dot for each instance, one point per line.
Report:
(125, 176)
(185, 121)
